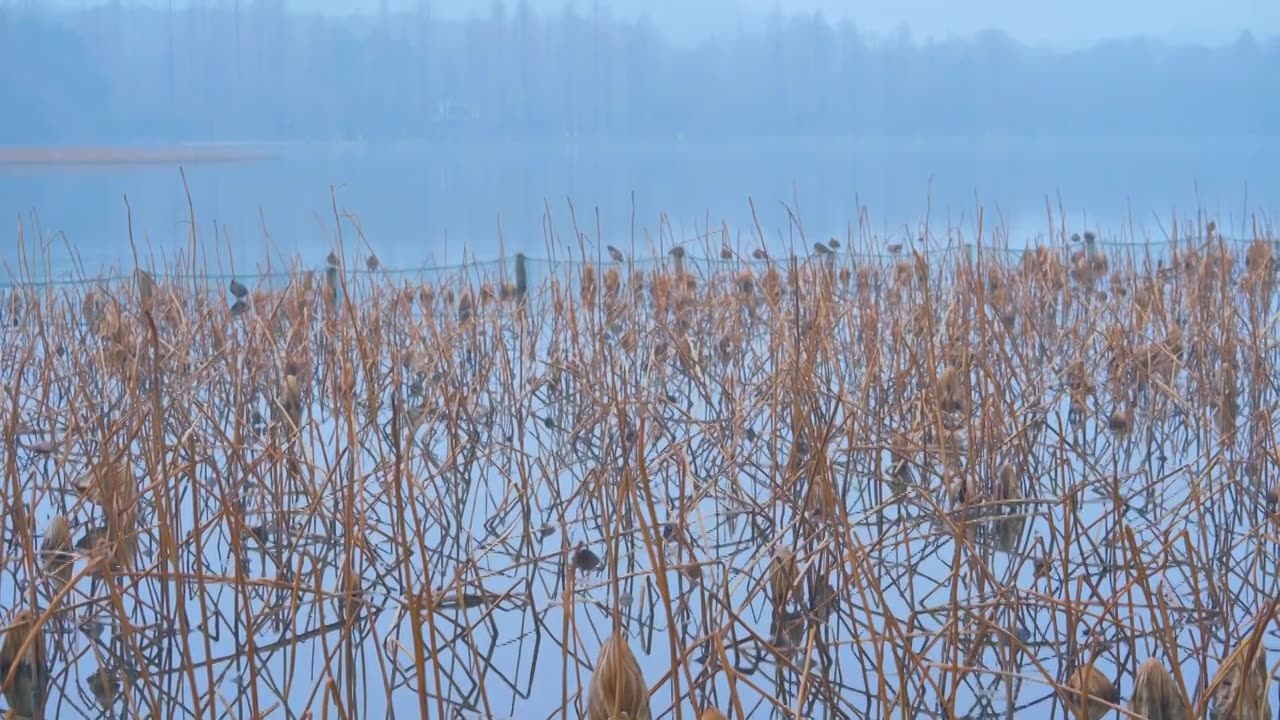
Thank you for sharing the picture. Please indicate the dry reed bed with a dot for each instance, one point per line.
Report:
(926, 484)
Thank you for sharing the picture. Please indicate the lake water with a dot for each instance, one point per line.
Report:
(431, 204)
(500, 460)
(422, 206)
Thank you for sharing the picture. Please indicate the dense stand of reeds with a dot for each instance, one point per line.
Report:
(856, 481)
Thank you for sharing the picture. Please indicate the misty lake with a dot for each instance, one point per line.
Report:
(424, 204)
(480, 438)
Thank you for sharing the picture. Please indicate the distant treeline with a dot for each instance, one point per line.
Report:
(119, 74)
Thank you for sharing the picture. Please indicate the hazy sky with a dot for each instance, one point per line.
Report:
(1062, 23)
(1054, 22)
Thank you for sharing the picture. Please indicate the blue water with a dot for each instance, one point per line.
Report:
(440, 204)
(422, 207)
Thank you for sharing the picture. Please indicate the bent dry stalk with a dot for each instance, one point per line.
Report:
(874, 478)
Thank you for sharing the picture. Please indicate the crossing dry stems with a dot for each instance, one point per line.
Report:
(885, 479)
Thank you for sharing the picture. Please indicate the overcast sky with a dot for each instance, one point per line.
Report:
(1053, 22)
(1070, 22)
(1061, 23)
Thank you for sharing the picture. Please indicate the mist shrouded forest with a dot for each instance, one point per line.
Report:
(133, 74)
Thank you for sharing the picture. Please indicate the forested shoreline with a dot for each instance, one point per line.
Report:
(267, 73)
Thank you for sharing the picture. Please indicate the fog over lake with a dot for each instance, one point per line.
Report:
(439, 340)
(422, 204)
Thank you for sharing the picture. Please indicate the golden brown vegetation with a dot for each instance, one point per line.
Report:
(618, 690)
(1155, 695)
(1091, 694)
(840, 483)
(24, 666)
(1241, 687)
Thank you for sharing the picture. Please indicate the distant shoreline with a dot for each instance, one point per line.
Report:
(46, 155)
(250, 151)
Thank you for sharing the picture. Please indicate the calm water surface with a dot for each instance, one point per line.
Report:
(429, 204)
(419, 206)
